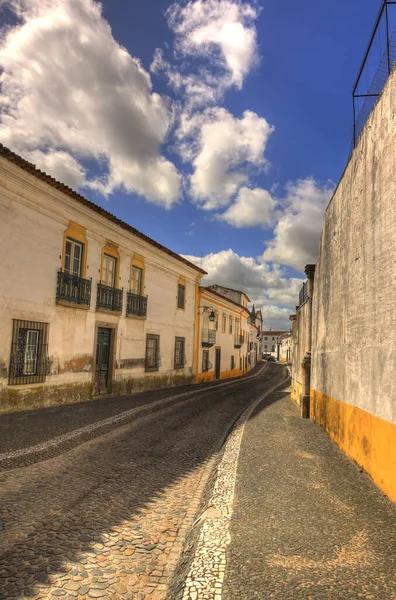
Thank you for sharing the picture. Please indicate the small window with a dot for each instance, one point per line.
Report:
(179, 352)
(181, 295)
(29, 352)
(109, 270)
(152, 352)
(73, 257)
(266, 339)
(136, 280)
(273, 349)
(240, 364)
(224, 327)
(217, 322)
(232, 363)
(265, 346)
(205, 360)
(230, 325)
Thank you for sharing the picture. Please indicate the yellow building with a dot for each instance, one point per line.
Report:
(222, 334)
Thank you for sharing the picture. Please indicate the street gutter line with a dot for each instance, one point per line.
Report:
(11, 459)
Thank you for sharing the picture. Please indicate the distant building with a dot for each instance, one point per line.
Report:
(223, 336)
(270, 341)
(285, 347)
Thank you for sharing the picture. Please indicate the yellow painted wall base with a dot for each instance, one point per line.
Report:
(368, 440)
(210, 376)
(296, 391)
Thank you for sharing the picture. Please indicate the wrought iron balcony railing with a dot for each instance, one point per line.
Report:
(238, 341)
(208, 338)
(136, 305)
(109, 298)
(73, 289)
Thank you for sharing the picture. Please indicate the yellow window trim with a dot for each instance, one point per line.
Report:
(111, 249)
(78, 233)
(138, 261)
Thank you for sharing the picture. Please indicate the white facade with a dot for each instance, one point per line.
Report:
(36, 220)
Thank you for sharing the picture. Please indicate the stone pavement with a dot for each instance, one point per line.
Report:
(107, 519)
(307, 523)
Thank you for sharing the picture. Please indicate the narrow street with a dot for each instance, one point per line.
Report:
(104, 519)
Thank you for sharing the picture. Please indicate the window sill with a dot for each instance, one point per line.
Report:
(73, 305)
(117, 313)
(151, 369)
(138, 317)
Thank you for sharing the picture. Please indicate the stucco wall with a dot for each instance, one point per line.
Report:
(34, 217)
(353, 383)
(301, 345)
(224, 340)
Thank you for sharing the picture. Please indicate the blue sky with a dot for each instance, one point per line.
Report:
(243, 193)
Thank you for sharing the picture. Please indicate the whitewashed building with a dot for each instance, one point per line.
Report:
(88, 304)
(222, 334)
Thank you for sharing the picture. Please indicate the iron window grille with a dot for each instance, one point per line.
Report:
(109, 298)
(179, 352)
(29, 352)
(73, 289)
(208, 337)
(205, 360)
(152, 352)
(136, 305)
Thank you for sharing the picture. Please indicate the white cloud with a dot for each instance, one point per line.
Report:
(221, 31)
(251, 207)
(66, 86)
(297, 233)
(222, 149)
(266, 286)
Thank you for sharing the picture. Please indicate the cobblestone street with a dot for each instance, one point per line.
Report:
(107, 518)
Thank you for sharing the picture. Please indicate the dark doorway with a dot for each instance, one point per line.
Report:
(217, 363)
(102, 367)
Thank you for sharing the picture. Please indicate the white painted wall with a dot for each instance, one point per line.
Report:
(354, 317)
(33, 219)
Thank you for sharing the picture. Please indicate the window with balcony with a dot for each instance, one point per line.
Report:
(109, 297)
(136, 302)
(29, 352)
(179, 352)
(72, 288)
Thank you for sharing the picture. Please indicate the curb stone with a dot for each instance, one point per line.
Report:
(203, 561)
(67, 441)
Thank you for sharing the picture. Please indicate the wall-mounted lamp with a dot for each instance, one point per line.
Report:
(212, 316)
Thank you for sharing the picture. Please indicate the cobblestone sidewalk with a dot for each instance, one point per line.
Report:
(307, 522)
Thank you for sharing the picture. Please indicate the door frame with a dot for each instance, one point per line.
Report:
(112, 356)
(217, 348)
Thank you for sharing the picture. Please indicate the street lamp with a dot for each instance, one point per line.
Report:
(212, 316)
